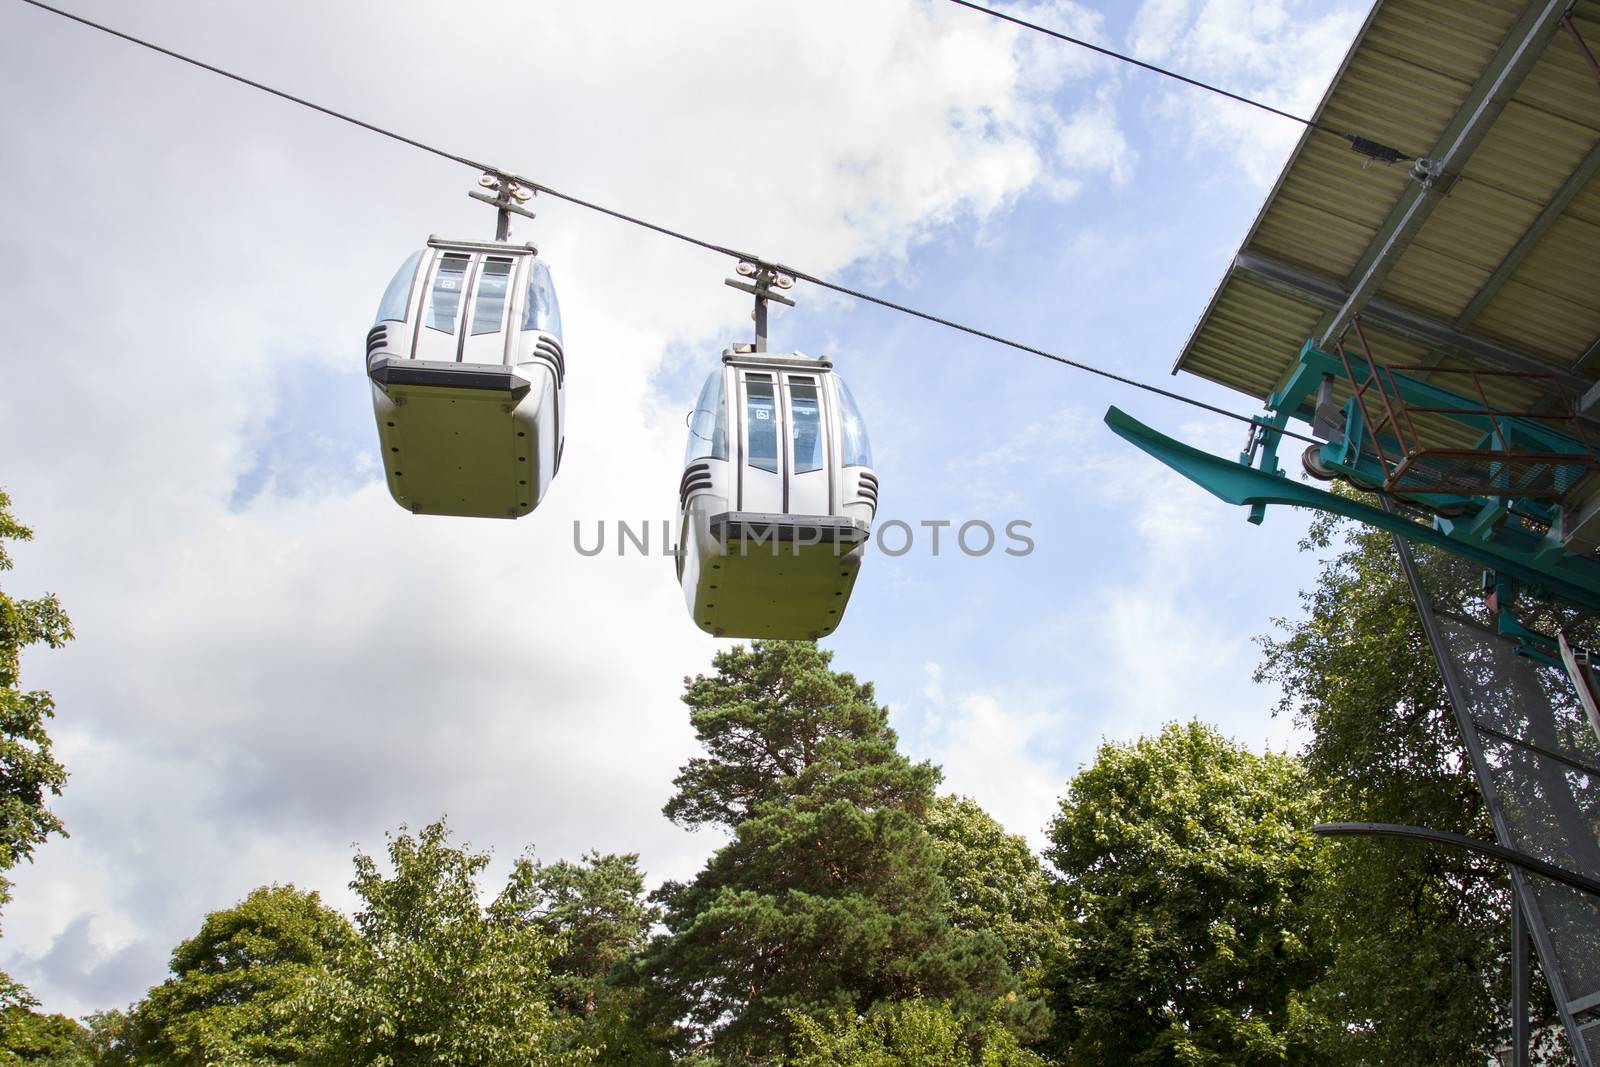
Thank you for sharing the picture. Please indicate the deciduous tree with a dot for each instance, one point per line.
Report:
(997, 885)
(1188, 865)
(1418, 934)
(28, 1036)
(435, 978)
(233, 984)
(908, 1033)
(29, 772)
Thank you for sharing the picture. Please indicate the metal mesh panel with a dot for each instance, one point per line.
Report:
(1591, 1039)
(1538, 762)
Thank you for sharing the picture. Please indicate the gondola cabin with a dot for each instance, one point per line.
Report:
(467, 376)
(777, 498)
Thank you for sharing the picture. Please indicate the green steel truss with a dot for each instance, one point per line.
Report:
(1519, 539)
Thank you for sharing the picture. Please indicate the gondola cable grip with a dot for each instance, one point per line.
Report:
(766, 279)
(510, 195)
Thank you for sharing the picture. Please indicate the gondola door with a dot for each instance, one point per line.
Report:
(762, 440)
(443, 298)
(807, 447)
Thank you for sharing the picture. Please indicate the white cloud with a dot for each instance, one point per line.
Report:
(1277, 51)
(1001, 749)
(1092, 141)
(1135, 638)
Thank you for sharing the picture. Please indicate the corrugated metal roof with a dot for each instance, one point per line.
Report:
(1500, 274)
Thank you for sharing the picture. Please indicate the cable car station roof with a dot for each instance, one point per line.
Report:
(1484, 253)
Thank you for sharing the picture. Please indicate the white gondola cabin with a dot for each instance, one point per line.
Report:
(777, 498)
(467, 376)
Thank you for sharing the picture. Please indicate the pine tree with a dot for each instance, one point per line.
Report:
(828, 898)
(596, 912)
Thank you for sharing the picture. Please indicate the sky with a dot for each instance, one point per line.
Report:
(275, 665)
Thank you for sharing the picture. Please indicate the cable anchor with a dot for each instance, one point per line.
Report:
(1375, 151)
(765, 279)
(510, 195)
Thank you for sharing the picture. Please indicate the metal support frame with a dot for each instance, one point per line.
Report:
(1522, 893)
(1520, 1038)
(1379, 441)
(1572, 29)
(1523, 456)
(1488, 97)
(1579, 663)
(1571, 578)
(1520, 1044)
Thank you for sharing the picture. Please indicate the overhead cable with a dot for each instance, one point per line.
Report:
(1365, 146)
(665, 231)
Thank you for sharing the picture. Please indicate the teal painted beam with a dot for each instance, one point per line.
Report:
(1571, 578)
(1314, 363)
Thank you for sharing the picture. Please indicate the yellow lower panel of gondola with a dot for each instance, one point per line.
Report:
(467, 452)
(776, 577)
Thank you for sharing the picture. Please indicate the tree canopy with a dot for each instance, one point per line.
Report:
(595, 911)
(998, 886)
(1418, 935)
(435, 978)
(1187, 865)
(851, 915)
(908, 1033)
(828, 898)
(29, 776)
(234, 983)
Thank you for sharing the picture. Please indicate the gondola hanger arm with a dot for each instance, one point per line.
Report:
(510, 193)
(765, 279)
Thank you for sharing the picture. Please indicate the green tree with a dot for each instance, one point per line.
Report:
(1186, 863)
(908, 1033)
(828, 897)
(435, 978)
(111, 1038)
(29, 776)
(234, 982)
(28, 1036)
(997, 885)
(29, 773)
(1418, 935)
(596, 911)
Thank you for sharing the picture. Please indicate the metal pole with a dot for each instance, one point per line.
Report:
(761, 324)
(1517, 861)
(502, 226)
(1583, 680)
(1519, 985)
